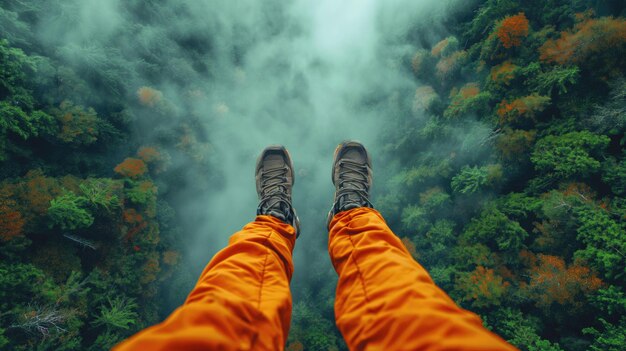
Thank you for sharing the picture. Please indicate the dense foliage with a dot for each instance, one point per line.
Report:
(87, 237)
(526, 224)
(506, 175)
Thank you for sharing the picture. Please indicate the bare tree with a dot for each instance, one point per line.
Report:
(613, 113)
(82, 241)
(42, 320)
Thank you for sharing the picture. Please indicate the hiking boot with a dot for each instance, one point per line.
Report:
(274, 181)
(352, 177)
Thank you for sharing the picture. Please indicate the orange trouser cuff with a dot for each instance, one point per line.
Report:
(242, 300)
(385, 300)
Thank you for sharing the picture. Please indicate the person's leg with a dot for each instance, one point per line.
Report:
(242, 300)
(385, 300)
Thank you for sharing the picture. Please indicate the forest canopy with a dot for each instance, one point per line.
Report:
(503, 170)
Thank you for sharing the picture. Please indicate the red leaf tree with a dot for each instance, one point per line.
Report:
(512, 30)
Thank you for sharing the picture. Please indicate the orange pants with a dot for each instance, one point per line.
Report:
(385, 300)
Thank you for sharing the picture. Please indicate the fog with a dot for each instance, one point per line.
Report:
(303, 73)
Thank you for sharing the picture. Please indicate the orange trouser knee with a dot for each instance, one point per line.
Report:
(386, 301)
(242, 300)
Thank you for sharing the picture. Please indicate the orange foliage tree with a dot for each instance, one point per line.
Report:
(131, 167)
(589, 38)
(11, 221)
(445, 47)
(149, 154)
(512, 30)
(483, 287)
(171, 257)
(503, 73)
(149, 96)
(37, 191)
(438, 48)
(551, 280)
(78, 125)
(466, 99)
(513, 143)
(425, 98)
(295, 346)
(525, 107)
(134, 221)
(418, 62)
(447, 66)
(150, 269)
(469, 90)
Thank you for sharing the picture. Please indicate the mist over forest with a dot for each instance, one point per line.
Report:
(130, 129)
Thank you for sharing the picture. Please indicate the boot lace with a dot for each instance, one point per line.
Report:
(353, 185)
(274, 193)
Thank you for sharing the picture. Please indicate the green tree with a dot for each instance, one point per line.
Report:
(614, 174)
(555, 79)
(117, 313)
(521, 330)
(472, 179)
(612, 337)
(70, 212)
(16, 66)
(571, 154)
(605, 242)
(494, 229)
(101, 193)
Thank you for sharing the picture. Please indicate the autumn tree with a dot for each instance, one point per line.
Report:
(11, 220)
(131, 168)
(512, 30)
(420, 62)
(78, 125)
(425, 98)
(447, 67)
(482, 287)
(514, 144)
(503, 73)
(468, 99)
(36, 191)
(552, 281)
(149, 96)
(522, 109)
(134, 222)
(591, 40)
(445, 47)
(149, 154)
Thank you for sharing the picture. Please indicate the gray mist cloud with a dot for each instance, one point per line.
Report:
(303, 73)
(329, 72)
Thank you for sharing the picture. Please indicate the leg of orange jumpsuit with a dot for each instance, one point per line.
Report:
(387, 301)
(242, 300)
